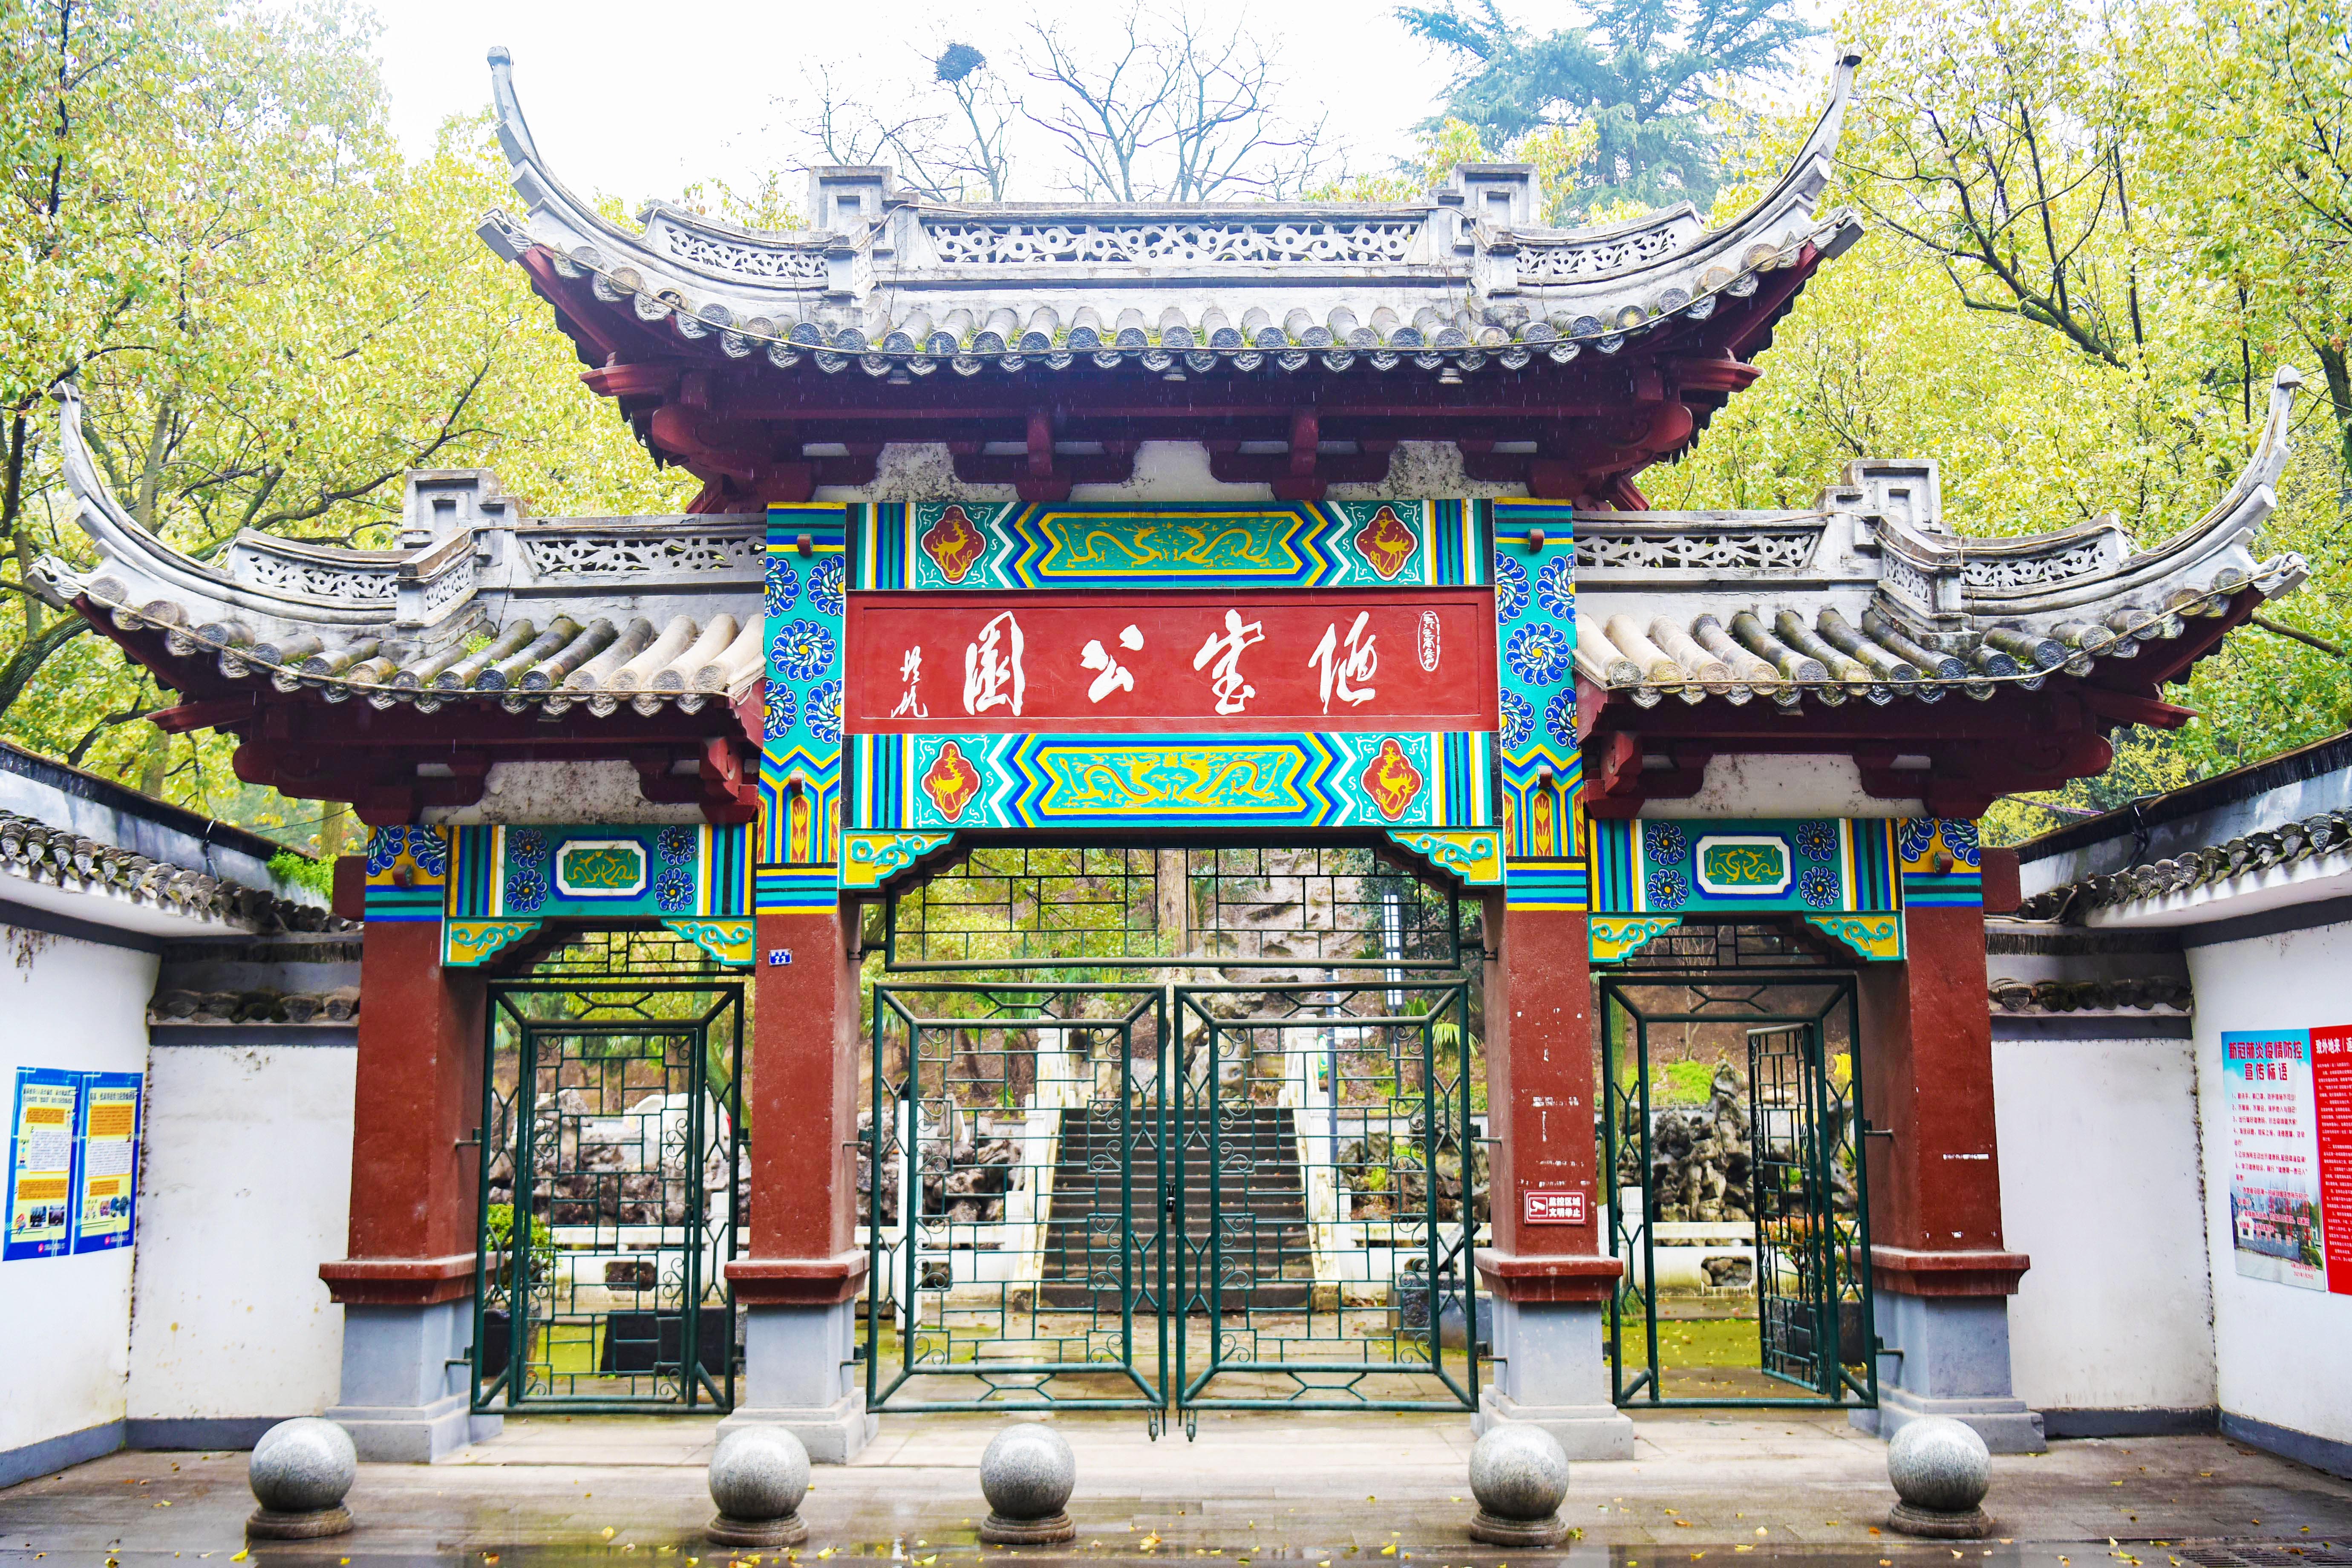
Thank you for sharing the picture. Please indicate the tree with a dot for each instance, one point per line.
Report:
(1151, 106)
(272, 315)
(1651, 78)
(2043, 303)
(2263, 137)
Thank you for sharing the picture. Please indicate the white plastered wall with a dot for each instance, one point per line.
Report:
(80, 1006)
(2099, 1185)
(246, 1188)
(2281, 1350)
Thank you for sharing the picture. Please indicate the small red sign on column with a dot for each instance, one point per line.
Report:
(1554, 1208)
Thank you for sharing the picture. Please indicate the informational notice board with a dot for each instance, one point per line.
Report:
(73, 1162)
(2289, 1108)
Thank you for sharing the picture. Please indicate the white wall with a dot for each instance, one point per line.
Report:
(246, 1189)
(69, 1004)
(2281, 1348)
(2098, 1145)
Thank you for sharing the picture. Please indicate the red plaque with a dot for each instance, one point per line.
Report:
(1181, 661)
(1553, 1207)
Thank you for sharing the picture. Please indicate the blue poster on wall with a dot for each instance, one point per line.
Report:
(44, 1128)
(106, 1193)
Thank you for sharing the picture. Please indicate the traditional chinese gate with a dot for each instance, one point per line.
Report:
(1755, 1201)
(612, 1185)
(1196, 1194)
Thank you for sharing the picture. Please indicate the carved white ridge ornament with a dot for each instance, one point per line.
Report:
(1555, 261)
(315, 581)
(2033, 570)
(1761, 550)
(751, 260)
(1021, 244)
(574, 555)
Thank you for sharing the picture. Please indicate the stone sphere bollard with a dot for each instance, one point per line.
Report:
(300, 1471)
(1941, 1470)
(1026, 1475)
(757, 1476)
(1519, 1472)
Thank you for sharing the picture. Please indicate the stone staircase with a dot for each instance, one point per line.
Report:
(1264, 1258)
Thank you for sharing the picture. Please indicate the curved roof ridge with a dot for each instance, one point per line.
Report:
(1365, 256)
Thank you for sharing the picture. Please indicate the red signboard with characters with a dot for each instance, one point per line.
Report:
(1553, 1207)
(1261, 661)
(2331, 1086)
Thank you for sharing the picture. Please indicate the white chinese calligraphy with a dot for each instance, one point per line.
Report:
(1343, 669)
(910, 671)
(1232, 691)
(1114, 676)
(993, 676)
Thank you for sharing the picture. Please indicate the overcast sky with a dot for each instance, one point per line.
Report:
(636, 101)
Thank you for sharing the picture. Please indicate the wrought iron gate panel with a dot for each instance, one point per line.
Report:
(1332, 1188)
(1011, 1180)
(1806, 1190)
(613, 1129)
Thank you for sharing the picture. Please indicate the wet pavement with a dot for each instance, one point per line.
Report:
(1322, 1491)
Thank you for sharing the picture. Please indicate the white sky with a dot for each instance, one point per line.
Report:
(636, 101)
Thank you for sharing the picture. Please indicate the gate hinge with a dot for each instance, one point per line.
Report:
(473, 1142)
(1870, 1131)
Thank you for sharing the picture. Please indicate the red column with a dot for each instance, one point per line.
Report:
(415, 1181)
(1925, 1062)
(1541, 1076)
(803, 1098)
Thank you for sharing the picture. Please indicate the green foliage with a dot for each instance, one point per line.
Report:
(313, 876)
(2094, 231)
(1683, 1083)
(1645, 81)
(273, 316)
(498, 1228)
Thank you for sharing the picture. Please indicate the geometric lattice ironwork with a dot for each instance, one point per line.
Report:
(1330, 1149)
(613, 1182)
(1010, 1164)
(1172, 1198)
(1732, 1121)
(1235, 906)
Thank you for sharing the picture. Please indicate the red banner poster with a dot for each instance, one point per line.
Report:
(1267, 660)
(2331, 1084)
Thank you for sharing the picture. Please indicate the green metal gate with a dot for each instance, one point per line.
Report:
(1172, 1198)
(1794, 1215)
(1012, 1179)
(613, 1189)
(1332, 1188)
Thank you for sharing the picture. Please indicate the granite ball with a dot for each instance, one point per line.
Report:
(1028, 1472)
(303, 1465)
(1518, 1471)
(759, 1473)
(1939, 1465)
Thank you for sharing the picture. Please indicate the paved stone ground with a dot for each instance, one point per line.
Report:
(1294, 1489)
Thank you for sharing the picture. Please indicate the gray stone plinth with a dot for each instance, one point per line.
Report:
(1519, 1473)
(300, 1471)
(800, 1374)
(1954, 1362)
(1551, 1372)
(1941, 1470)
(757, 1476)
(405, 1397)
(1027, 1475)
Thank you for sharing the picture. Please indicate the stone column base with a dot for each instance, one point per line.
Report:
(1948, 1355)
(414, 1433)
(406, 1397)
(832, 1434)
(2006, 1425)
(1585, 1431)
